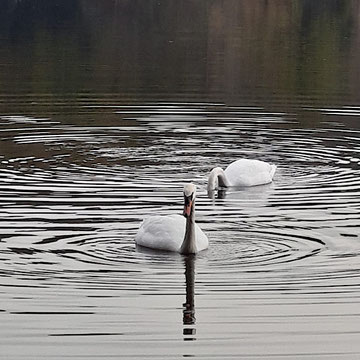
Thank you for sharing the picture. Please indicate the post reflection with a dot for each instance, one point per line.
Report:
(189, 319)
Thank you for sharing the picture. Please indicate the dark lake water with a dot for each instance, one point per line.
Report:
(108, 107)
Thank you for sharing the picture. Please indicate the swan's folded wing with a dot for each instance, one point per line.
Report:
(246, 172)
(167, 233)
(162, 232)
(202, 241)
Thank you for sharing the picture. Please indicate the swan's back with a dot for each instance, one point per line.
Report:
(246, 172)
(167, 233)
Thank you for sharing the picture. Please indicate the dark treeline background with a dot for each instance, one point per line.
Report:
(224, 50)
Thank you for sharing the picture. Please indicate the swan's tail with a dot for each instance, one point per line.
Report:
(272, 170)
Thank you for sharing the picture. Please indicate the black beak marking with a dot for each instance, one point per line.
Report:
(188, 198)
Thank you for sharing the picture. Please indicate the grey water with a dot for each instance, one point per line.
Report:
(108, 107)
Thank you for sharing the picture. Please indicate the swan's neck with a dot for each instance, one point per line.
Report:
(189, 244)
(217, 178)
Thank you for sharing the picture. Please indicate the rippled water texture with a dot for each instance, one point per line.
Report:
(80, 170)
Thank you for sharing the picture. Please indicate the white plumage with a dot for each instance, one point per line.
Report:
(174, 232)
(167, 233)
(243, 172)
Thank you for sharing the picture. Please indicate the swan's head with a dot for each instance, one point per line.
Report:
(189, 199)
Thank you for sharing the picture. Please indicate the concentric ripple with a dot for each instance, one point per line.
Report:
(87, 191)
(73, 196)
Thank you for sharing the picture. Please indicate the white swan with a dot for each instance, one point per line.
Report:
(174, 232)
(243, 172)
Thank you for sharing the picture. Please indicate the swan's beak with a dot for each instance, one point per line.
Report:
(187, 206)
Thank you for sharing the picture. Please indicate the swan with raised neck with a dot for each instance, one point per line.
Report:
(174, 232)
(189, 244)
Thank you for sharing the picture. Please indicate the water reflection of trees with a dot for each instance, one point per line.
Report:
(229, 49)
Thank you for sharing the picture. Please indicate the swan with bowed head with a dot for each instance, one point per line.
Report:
(174, 232)
(243, 172)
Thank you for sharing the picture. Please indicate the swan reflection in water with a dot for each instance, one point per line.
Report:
(220, 193)
(189, 320)
(247, 195)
